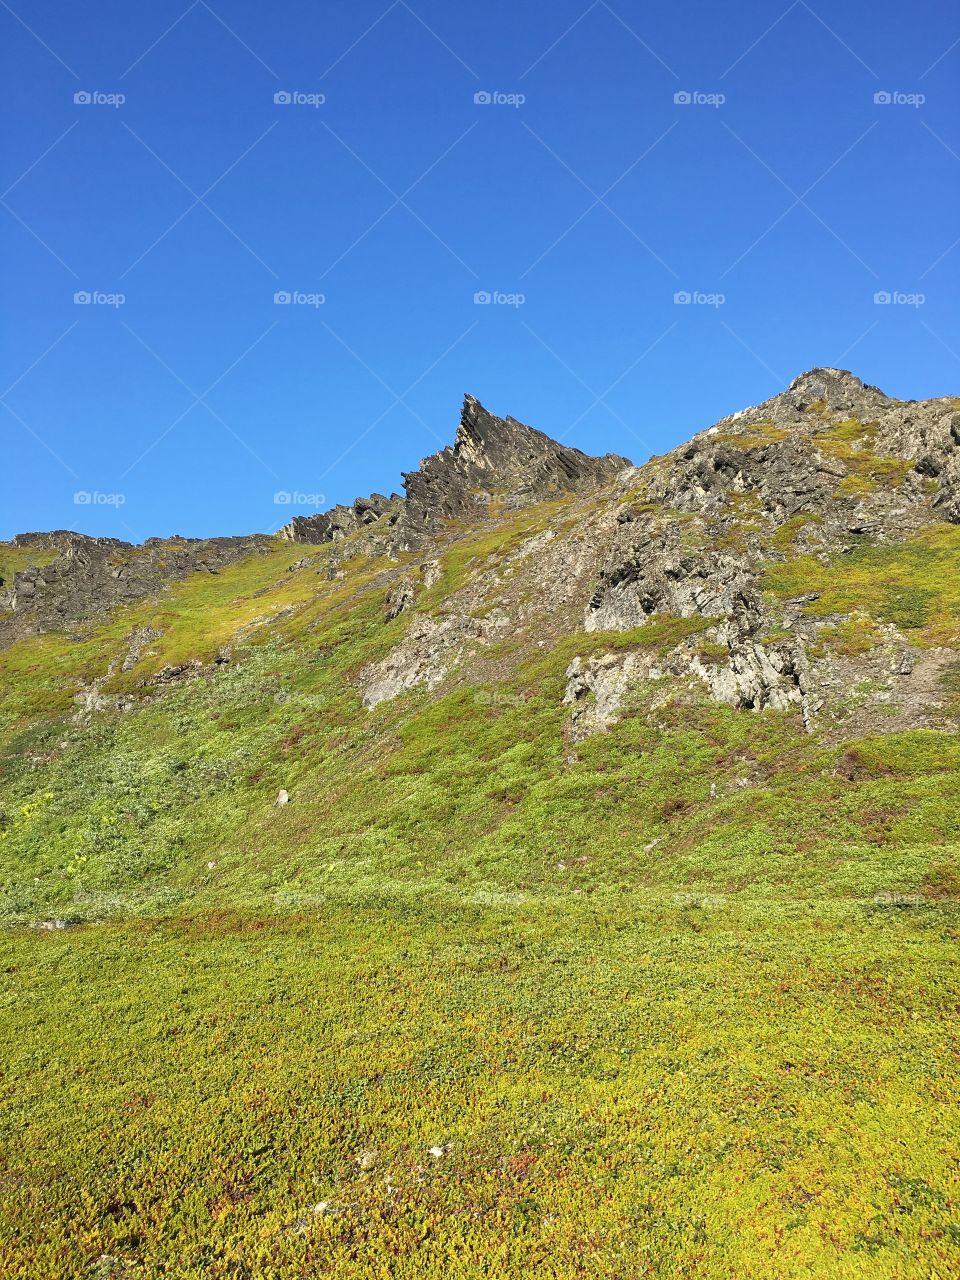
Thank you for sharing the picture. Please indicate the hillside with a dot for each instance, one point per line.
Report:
(551, 869)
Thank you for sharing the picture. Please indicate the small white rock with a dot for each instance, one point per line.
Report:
(283, 797)
(437, 1152)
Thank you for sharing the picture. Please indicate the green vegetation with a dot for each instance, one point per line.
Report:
(683, 1090)
(854, 443)
(681, 1003)
(756, 435)
(913, 584)
(14, 560)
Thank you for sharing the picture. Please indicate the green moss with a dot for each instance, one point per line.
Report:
(785, 538)
(850, 638)
(848, 437)
(692, 1088)
(757, 435)
(712, 653)
(914, 584)
(854, 443)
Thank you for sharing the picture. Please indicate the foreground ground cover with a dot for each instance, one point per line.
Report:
(610, 1088)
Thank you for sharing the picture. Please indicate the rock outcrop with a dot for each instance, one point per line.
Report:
(834, 456)
(90, 576)
(490, 460)
(430, 650)
(493, 459)
(340, 521)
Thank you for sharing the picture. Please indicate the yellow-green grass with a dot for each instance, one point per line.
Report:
(433, 795)
(696, 1092)
(854, 444)
(754, 435)
(682, 998)
(914, 583)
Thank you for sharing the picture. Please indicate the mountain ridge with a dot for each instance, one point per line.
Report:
(501, 462)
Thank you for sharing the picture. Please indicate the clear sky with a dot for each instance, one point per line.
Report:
(777, 193)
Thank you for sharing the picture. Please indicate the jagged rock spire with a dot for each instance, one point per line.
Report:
(491, 458)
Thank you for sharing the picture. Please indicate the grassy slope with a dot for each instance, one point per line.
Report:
(626, 1093)
(683, 1008)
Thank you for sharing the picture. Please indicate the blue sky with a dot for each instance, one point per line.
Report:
(781, 196)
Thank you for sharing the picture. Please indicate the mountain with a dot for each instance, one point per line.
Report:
(750, 534)
(591, 825)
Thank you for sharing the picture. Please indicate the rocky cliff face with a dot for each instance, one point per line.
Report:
(761, 543)
(826, 467)
(493, 459)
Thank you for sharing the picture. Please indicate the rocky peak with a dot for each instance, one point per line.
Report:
(490, 459)
(838, 390)
(520, 458)
(813, 394)
(494, 458)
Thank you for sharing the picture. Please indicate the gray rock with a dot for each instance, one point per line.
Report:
(431, 648)
(340, 521)
(399, 598)
(139, 639)
(91, 576)
(491, 459)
